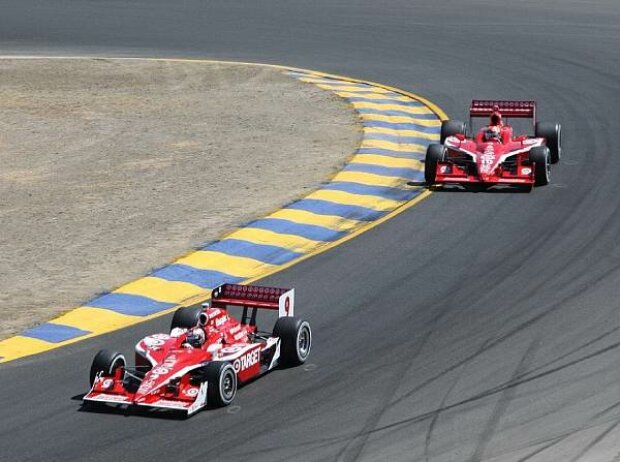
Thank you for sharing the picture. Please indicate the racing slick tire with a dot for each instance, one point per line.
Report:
(295, 340)
(106, 361)
(434, 153)
(451, 128)
(552, 132)
(221, 383)
(541, 157)
(186, 317)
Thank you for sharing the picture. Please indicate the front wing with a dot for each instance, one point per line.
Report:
(453, 173)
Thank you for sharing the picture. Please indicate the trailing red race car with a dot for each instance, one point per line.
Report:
(206, 355)
(495, 155)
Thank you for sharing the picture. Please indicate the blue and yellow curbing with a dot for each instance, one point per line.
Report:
(375, 185)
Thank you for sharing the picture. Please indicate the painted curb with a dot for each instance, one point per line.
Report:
(381, 180)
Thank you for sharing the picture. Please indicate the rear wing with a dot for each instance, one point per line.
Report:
(270, 298)
(510, 109)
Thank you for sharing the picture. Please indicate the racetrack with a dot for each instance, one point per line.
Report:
(473, 327)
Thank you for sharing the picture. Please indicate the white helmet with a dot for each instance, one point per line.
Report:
(196, 337)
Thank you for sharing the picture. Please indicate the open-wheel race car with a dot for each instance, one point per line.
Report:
(206, 355)
(495, 155)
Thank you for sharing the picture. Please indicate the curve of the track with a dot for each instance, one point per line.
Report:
(472, 327)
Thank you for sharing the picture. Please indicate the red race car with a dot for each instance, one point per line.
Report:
(206, 355)
(494, 156)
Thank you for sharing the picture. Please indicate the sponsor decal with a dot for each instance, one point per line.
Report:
(487, 159)
(230, 350)
(239, 335)
(443, 168)
(526, 171)
(287, 305)
(170, 362)
(201, 399)
(156, 340)
(108, 383)
(191, 392)
(160, 370)
(247, 360)
(219, 322)
(164, 369)
(106, 397)
(168, 402)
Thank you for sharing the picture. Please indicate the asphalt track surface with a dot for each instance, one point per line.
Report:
(473, 327)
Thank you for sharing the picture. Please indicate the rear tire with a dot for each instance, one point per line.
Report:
(106, 361)
(541, 157)
(295, 340)
(434, 153)
(451, 128)
(186, 317)
(552, 132)
(222, 383)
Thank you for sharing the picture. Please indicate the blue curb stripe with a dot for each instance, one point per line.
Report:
(54, 333)
(322, 207)
(361, 99)
(396, 194)
(266, 253)
(314, 232)
(402, 126)
(132, 305)
(393, 112)
(390, 153)
(207, 279)
(408, 173)
(396, 138)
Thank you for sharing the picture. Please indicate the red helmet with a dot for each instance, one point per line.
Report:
(496, 118)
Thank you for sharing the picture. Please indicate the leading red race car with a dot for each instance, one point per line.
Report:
(495, 155)
(206, 354)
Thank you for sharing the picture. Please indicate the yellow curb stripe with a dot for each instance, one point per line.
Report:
(387, 161)
(97, 320)
(379, 96)
(370, 179)
(244, 267)
(392, 146)
(391, 107)
(400, 120)
(341, 197)
(286, 241)
(403, 133)
(162, 290)
(308, 218)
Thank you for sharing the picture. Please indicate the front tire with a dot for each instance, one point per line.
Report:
(451, 128)
(106, 361)
(541, 157)
(295, 340)
(435, 153)
(552, 133)
(222, 383)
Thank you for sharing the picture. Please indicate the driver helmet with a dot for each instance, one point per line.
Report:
(196, 337)
(496, 118)
(492, 133)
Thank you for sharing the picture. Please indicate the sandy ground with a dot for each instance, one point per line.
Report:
(109, 168)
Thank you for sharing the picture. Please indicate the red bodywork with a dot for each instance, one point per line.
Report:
(166, 364)
(504, 161)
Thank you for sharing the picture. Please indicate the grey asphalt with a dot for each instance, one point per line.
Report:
(473, 327)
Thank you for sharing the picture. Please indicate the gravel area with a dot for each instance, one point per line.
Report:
(109, 168)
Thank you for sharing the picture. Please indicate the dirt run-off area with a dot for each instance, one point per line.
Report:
(110, 168)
